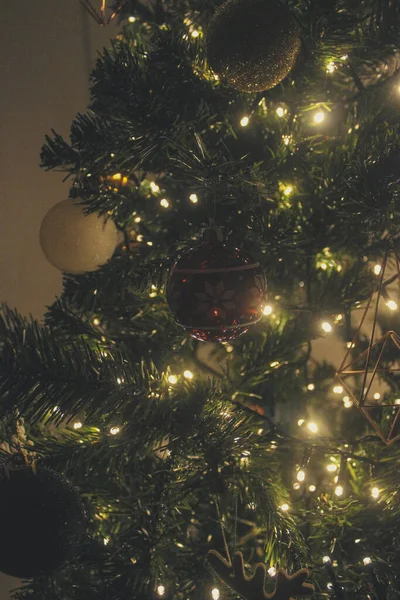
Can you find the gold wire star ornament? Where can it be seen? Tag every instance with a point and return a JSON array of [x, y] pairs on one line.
[[370, 379], [101, 16]]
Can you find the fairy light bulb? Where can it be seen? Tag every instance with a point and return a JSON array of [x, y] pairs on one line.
[[172, 379], [375, 492], [377, 269], [367, 560], [319, 117], [272, 571], [347, 402], [300, 422], [391, 304], [244, 121], [285, 507], [338, 389], [193, 198], [77, 425], [161, 590], [311, 387], [280, 111], [331, 468], [115, 430], [327, 327], [195, 33], [154, 187], [339, 490], [311, 488], [377, 396], [330, 67], [188, 374], [96, 321], [326, 560], [288, 190], [164, 203], [301, 475], [267, 310], [313, 427], [215, 594]]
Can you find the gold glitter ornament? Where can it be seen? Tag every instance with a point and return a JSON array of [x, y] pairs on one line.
[[252, 44], [75, 242]]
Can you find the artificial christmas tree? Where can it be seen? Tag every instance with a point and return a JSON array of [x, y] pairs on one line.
[[254, 448]]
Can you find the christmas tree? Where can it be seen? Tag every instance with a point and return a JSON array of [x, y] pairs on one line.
[[223, 144]]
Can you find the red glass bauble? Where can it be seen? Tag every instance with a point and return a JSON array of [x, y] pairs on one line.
[[215, 292]]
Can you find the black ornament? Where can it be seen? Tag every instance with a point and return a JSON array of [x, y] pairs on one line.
[[253, 44], [42, 521], [215, 291]]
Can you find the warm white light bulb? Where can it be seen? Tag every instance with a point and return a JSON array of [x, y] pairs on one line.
[[267, 310], [319, 117], [338, 389], [164, 203], [193, 198], [154, 187], [311, 387], [195, 33], [312, 488], [331, 468], [326, 560], [301, 475], [172, 379], [330, 67], [339, 490], [215, 594], [312, 427], [347, 402], [377, 396], [188, 374], [161, 590], [391, 304], [375, 492], [96, 321], [288, 190], [327, 327], [280, 111], [244, 121], [272, 571], [77, 425], [114, 430], [131, 19], [300, 422], [367, 561], [285, 507], [377, 269]]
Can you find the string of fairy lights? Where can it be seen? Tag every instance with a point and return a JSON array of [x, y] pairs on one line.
[[319, 114]]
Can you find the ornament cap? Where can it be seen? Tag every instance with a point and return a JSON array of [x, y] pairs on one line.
[[213, 234]]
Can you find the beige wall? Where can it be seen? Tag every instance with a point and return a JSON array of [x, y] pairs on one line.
[[44, 67], [46, 48]]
